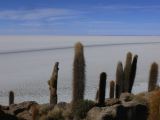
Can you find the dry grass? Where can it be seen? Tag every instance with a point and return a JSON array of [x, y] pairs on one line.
[[82, 108], [152, 99], [154, 105], [35, 112], [44, 109], [55, 114], [141, 98]]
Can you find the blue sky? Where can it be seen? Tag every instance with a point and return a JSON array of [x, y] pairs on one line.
[[80, 17]]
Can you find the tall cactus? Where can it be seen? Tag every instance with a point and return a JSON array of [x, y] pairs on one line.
[[11, 97], [119, 79], [127, 71], [53, 85], [153, 77], [112, 88], [133, 73], [78, 73], [102, 89]]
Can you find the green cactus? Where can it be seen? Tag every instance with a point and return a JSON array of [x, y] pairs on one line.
[[127, 71], [119, 79], [102, 89], [78, 74], [133, 73], [11, 97], [53, 84], [112, 88], [153, 77]]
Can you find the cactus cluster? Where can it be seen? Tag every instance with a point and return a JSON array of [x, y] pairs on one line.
[[125, 76]]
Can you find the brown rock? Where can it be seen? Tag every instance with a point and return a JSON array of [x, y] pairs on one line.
[[5, 116], [110, 102], [4, 107], [15, 109], [132, 110], [126, 97], [102, 113], [25, 115]]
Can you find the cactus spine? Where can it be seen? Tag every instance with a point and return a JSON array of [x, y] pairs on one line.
[[102, 89], [119, 79], [133, 73], [127, 71], [11, 97], [112, 86], [78, 74], [53, 85], [153, 77]]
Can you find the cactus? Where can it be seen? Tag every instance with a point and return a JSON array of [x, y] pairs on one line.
[[78, 74], [127, 71], [153, 77], [119, 79], [112, 87], [133, 73], [102, 89], [53, 85], [97, 94], [11, 97]]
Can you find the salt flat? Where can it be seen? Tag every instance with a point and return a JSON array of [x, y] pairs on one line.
[[27, 73]]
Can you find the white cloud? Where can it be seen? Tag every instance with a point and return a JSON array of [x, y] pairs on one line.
[[36, 14], [99, 22], [129, 7]]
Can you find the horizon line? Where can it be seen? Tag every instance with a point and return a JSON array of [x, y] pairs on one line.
[[69, 35]]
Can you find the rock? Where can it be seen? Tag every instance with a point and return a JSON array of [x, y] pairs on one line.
[[120, 113], [19, 111], [5, 116], [94, 113], [126, 97], [15, 109], [132, 110], [102, 113], [141, 112], [4, 107], [110, 102], [25, 115]]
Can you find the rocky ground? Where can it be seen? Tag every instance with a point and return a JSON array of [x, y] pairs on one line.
[[128, 107], [21, 111]]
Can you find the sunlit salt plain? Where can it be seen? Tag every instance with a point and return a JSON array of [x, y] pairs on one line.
[[26, 63]]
